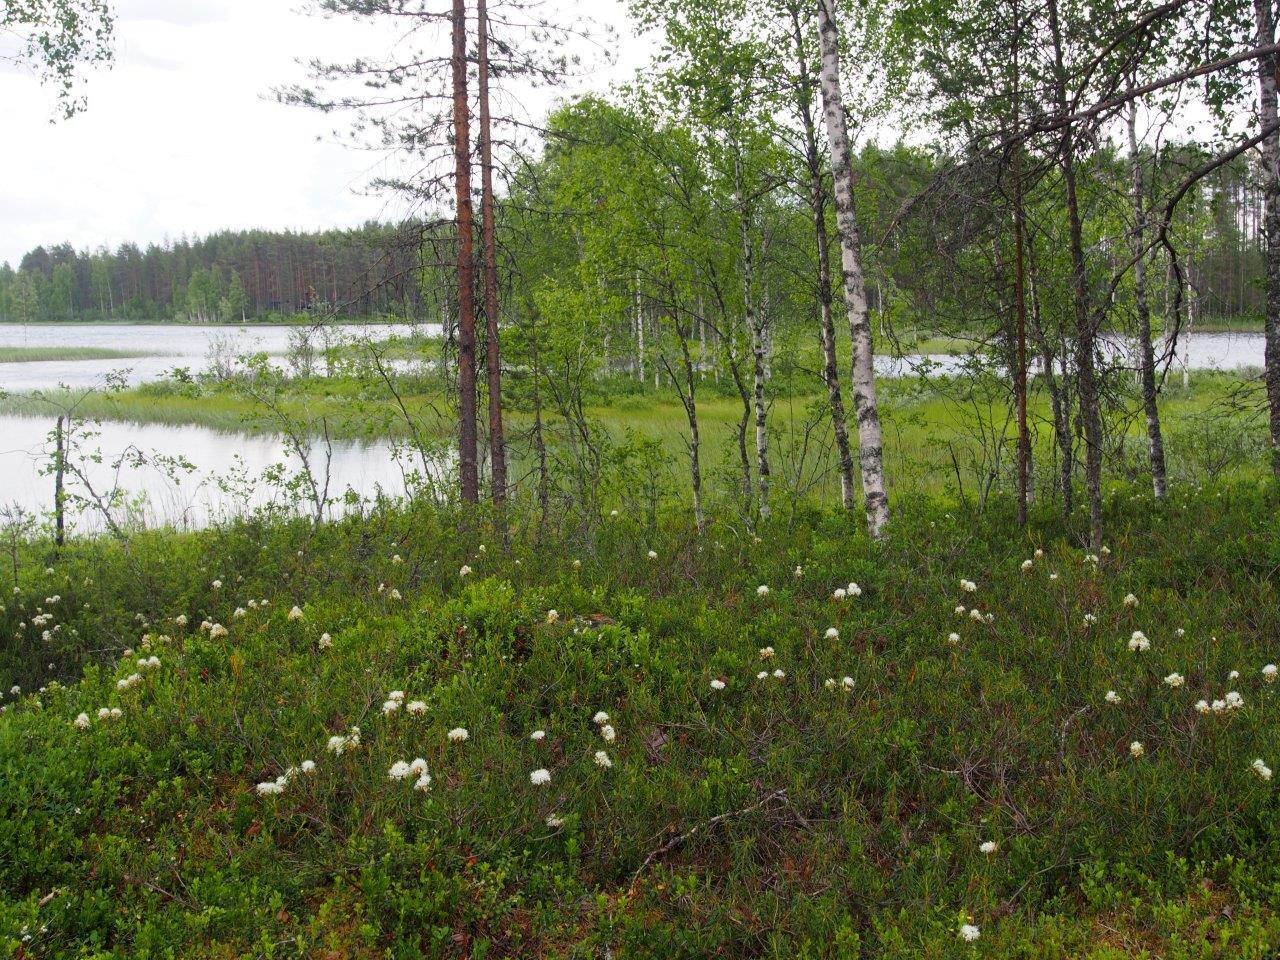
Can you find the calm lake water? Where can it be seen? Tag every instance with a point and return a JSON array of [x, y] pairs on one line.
[[172, 345], [365, 469], [194, 499]]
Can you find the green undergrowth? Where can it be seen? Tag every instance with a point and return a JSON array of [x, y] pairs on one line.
[[782, 816]]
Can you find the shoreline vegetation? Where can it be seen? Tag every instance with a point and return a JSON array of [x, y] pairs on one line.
[[45, 354]]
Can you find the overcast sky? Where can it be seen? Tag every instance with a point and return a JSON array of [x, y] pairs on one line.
[[181, 138]]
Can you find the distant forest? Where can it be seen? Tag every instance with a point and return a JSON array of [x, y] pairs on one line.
[[380, 270], [228, 277]]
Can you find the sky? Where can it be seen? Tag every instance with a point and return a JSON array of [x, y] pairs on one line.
[[181, 136]]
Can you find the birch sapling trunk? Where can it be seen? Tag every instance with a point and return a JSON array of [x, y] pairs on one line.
[[818, 208], [1020, 291], [1086, 373], [493, 352], [468, 474], [755, 326], [1142, 308], [870, 442], [1267, 67]]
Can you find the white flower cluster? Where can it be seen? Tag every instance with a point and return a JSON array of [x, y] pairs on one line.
[[1261, 769], [1138, 642], [845, 684], [400, 770], [458, 735], [852, 590], [968, 586], [342, 743], [276, 787], [126, 683]]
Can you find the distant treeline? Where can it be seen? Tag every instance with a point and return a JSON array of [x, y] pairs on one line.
[[231, 276]]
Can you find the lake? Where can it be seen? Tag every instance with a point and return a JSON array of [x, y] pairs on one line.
[[169, 345], [196, 499], [365, 469]]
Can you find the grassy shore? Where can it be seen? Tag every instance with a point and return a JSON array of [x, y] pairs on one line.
[[722, 770], [34, 354]]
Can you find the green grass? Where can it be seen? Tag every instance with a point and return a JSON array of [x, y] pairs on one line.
[[33, 354], [773, 818]]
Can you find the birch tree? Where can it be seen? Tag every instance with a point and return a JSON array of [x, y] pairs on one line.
[[870, 443]]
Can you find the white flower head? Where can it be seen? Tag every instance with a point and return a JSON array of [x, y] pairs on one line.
[[832, 633], [839, 594], [553, 821], [1174, 680], [416, 707], [779, 675], [953, 638], [423, 783], [717, 684], [1130, 600], [762, 590], [608, 733], [1112, 697], [540, 777], [295, 613], [600, 719], [270, 788], [847, 684], [969, 933], [989, 847], [458, 735], [1138, 643], [538, 735], [1233, 700], [961, 611], [766, 653], [326, 641], [307, 766], [1269, 673], [1202, 706], [553, 616], [602, 760], [855, 590], [82, 721], [390, 707], [1136, 749], [762, 675], [464, 571], [653, 554], [1261, 769], [217, 630], [399, 770], [1027, 564]]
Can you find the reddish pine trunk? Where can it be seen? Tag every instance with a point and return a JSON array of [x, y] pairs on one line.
[[467, 471]]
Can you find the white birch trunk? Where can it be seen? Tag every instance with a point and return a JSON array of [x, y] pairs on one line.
[[870, 443], [1267, 66]]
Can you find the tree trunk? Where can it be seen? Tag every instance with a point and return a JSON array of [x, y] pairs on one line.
[[1086, 373], [467, 445], [1020, 293], [59, 498], [818, 207], [871, 451], [1155, 441], [1267, 67], [755, 325], [493, 353]]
